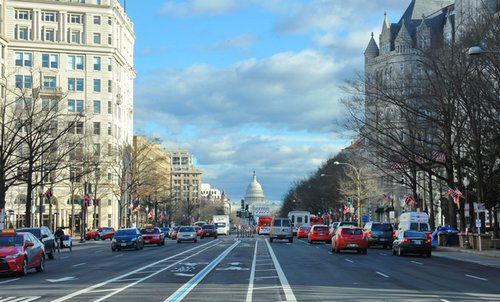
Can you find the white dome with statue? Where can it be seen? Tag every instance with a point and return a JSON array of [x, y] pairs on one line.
[[254, 192]]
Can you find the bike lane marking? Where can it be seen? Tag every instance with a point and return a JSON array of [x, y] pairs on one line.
[[187, 287], [120, 277], [283, 280], [252, 274]]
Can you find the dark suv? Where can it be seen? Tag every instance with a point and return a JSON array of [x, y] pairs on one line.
[[379, 233], [45, 235], [208, 230]]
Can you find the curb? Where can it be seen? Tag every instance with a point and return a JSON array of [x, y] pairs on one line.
[[492, 253]]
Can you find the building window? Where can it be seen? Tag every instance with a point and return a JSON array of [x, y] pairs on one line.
[[97, 128], [110, 86], [110, 21], [97, 85], [110, 128], [75, 84], [75, 62], [109, 107], [97, 38], [23, 33], [97, 20], [110, 39], [97, 106], [50, 60], [23, 15], [49, 82], [24, 59], [23, 81], [49, 35], [97, 63], [75, 19], [49, 17], [50, 104], [96, 149], [75, 127], [110, 64], [75, 36], [75, 105]]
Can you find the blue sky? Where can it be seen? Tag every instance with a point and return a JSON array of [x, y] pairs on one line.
[[250, 85]]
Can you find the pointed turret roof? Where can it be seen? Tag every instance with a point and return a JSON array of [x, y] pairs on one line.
[[372, 49]]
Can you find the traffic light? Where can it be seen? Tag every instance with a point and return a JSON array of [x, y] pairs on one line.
[[238, 214], [246, 207], [349, 201], [242, 204]]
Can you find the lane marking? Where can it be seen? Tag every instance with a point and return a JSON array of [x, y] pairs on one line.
[[181, 293], [349, 260], [19, 299], [79, 264], [252, 274], [118, 255], [416, 262], [7, 281], [118, 278], [383, 275], [475, 277], [383, 254], [284, 282], [268, 287], [267, 277], [264, 270], [444, 300]]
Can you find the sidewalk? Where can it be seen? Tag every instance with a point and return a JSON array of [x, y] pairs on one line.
[[488, 257]]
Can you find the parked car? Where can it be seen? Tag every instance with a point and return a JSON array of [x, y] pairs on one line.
[[412, 242], [281, 228], [379, 233], [45, 235], [319, 232], [208, 230], [166, 231], [349, 238], [303, 231], [187, 233], [126, 239], [153, 236], [100, 233], [20, 252], [335, 225]]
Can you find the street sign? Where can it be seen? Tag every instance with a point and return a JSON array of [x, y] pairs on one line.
[[478, 223], [392, 214], [364, 218]]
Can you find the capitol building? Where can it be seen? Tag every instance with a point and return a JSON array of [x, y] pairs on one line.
[[256, 200]]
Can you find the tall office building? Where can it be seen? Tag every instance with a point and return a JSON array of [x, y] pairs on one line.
[[82, 52]]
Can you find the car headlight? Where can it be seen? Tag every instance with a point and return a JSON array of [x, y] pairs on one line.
[[13, 256], [113, 240], [133, 240]]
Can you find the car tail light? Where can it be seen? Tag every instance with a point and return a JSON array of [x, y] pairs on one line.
[[429, 235], [369, 233], [393, 234], [428, 241], [406, 240]]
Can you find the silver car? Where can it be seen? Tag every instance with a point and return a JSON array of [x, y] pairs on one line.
[[186, 233], [281, 228]]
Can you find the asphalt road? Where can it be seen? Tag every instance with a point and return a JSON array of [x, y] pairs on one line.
[[234, 269]]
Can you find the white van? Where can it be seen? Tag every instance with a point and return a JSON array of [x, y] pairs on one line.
[[414, 221], [298, 218]]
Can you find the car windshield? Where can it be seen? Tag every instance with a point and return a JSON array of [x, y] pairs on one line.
[[417, 226], [208, 227], [36, 232], [348, 223], [186, 229], [382, 227], [351, 232], [409, 234], [11, 240], [125, 232], [150, 231], [220, 224]]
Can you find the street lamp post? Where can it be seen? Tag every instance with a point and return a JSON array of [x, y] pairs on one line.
[[358, 187], [40, 194], [477, 51], [466, 183]]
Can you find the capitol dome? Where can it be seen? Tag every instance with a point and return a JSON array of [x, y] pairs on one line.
[[254, 192]]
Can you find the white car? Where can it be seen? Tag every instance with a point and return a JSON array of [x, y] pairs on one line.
[[186, 233]]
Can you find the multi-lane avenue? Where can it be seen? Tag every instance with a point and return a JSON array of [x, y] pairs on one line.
[[249, 269]]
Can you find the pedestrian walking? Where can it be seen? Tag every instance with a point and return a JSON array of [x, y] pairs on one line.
[[60, 237]]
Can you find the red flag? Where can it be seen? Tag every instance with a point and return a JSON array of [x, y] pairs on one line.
[[455, 194], [151, 215]]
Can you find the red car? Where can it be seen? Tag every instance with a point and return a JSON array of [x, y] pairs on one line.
[[303, 231], [20, 252], [318, 232], [350, 238], [198, 230], [173, 236], [100, 233], [208, 230], [153, 236]]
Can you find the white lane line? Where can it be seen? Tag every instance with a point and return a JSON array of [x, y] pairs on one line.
[[118, 278], [283, 280], [383, 275], [79, 264], [267, 277], [64, 257], [182, 292], [7, 281], [382, 254], [444, 300], [416, 262], [118, 255], [330, 253], [264, 270], [475, 277], [268, 287], [349, 260], [252, 274]]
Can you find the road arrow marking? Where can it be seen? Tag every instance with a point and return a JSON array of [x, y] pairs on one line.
[[232, 268], [61, 279]]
